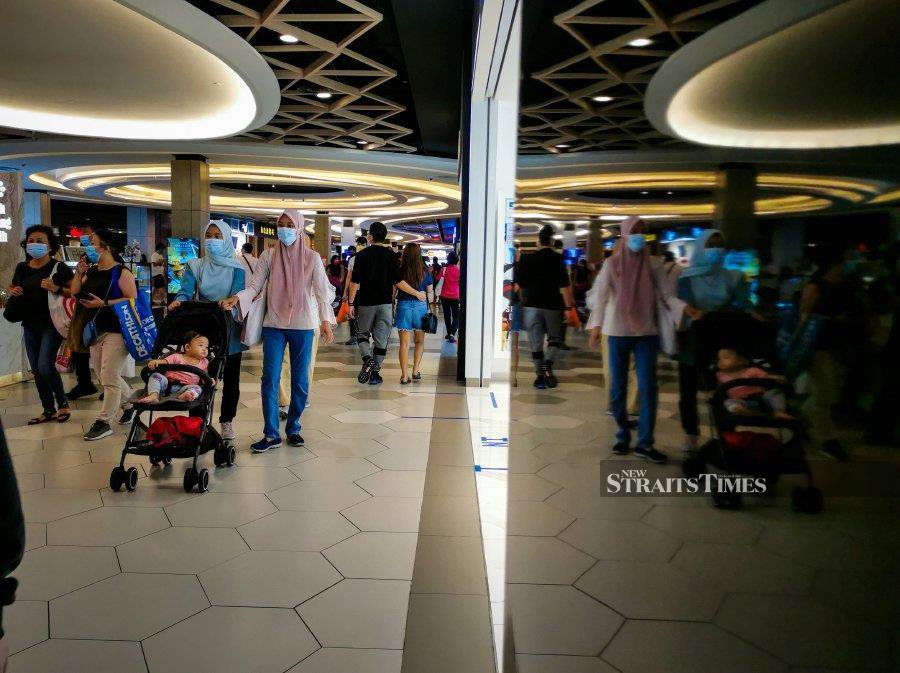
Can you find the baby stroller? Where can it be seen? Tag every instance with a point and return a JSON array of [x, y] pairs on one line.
[[215, 324], [764, 456]]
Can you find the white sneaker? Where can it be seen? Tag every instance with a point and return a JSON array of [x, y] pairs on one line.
[[227, 431]]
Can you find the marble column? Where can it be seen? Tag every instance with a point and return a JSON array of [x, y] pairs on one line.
[[37, 209], [322, 235], [595, 243], [190, 195], [735, 195], [12, 215]]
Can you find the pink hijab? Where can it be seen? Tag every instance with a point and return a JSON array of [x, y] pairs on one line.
[[633, 281], [290, 276]]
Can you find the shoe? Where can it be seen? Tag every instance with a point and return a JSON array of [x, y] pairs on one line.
[[127, 416], [651, 454], [404, 382], [417, 376], [282, 413], [621, 448], [547, 373], [295, 440], [451, 339], [564, 347], [375, 379], [350, 342], [101, 397], [227, 431], [367, 369], [99, 430], [265, 444], [79, 390], [540, 383], [833, 449]]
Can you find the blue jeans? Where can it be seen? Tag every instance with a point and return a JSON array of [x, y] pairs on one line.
[[274, 341], [41, 347], [644, 349]]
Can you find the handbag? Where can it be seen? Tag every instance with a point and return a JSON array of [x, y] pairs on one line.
[[61, 309], [429, 323], [15, 309], [343, 314], [138, 326], [90, 334], [64, 359]]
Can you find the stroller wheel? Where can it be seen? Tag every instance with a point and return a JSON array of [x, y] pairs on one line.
[[219, 456], [232, 455], [807, 500], [190, 479], [117, 478], [131, 478], [203, 480], [723, 500], [692, 467]]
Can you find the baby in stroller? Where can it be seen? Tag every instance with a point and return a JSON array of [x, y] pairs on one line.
[[182, 385], [749, 400]]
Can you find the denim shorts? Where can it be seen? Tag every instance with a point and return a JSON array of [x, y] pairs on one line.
[[409, 315]]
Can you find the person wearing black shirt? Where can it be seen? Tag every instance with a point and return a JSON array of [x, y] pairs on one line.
[[81, 361], [12, 537], [546, 291], [375, 275], [32, 280]]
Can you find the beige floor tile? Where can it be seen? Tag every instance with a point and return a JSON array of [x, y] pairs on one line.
[[106, 526], [448, 634], [449, 515], [530, 487], [402, 458], [872, 596], [87, 476], [450, 480], [35, 535], [449, 565], [227, 510], [297, 531], [42, 462], [544, 560], [181, 550], [356, 430], [318, 496], [366, 417], [810, 544], [345, 447], [48, 572], [25, 624], [30, 482], [334, 469], [284, 456], [408, 440], [394, 483], [547, 663], [262, 640], [249, 479], [334, 659], [154, 491], [384, 556], [399, 515], [536, 518], [128, 606], [450, 453], [742, 568], [703, 525], [68, 656], [620, 540]]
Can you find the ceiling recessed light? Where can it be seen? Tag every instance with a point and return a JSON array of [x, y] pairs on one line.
[[641, 42], [323, 95], [562, 146], [645, 192], [670, 193], [602, 99], [362, 142], [289, 39]]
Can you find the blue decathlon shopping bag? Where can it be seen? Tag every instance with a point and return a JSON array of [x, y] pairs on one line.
[[138, 325]]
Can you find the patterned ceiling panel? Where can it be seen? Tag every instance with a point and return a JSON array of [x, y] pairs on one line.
[[593, 98], [331, 93]]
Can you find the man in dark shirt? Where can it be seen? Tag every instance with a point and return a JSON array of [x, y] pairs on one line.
[[375, 274], [546, 291]]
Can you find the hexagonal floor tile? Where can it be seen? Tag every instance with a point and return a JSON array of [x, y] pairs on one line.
[[406, 440], [544, 560], [29, 482], [262, 640], [345, 448], [220, 509], [50, 504], [589, 503], [402, 458], [332, 659], [620, 540], [383, 556], [334, 469], [283, 457], [106, 526], [650, 590], [297, 531], [250, 479], [35, 535], [181, 550], [26, 624], [359, 613], [365, 417], [42, 462], [376, 395], [813, 545], [281, 579], [803, 632], [355, 430], [537, 611], [394, 483], [533, 398], [87, 476], [703, 524], [399, 515], [151, 492], [553, 421], [530, 487], [740, 568], [536, 518], [129, 606], [318, 496], [548, 663], [66, 656], [48, 572], [684, 647]]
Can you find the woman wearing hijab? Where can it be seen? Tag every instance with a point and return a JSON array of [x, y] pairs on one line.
[[298, 299], [706, 286], [217, 275], [623, 304]]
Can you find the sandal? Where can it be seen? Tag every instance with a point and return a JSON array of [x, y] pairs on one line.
[[405, 381], [43, 418], [417, 376], [63, 416]]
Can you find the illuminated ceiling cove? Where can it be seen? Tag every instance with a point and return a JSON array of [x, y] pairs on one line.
[[137, 69]]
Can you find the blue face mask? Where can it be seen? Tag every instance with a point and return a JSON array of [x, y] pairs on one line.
[[287, 235], [37, 250], [216, 247], [714, 255], [636, 242], [85, 240]]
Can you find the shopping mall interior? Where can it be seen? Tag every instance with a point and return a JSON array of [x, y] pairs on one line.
[[623, 207]]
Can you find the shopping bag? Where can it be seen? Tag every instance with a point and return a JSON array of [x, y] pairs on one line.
[[343, 313], [251, 335], [138, 325], [61, 309], [64, 360], [175, 431], [572, 319]]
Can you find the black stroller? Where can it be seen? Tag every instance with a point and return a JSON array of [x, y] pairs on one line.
[[746, 334], [215, 324]]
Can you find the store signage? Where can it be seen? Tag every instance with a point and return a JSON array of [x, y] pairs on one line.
[[266, 231]]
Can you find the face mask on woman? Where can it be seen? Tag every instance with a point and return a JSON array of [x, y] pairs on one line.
[[636, 242], [287, 235], [714, 255], [37, 250], [216, 247]]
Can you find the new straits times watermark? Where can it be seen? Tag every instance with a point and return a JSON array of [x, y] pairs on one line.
[[639, 481]]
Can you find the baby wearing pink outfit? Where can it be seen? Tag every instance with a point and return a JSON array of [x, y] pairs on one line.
[[749, 400], [184, 385]]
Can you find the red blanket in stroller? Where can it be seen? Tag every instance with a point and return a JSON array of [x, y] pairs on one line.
[[172, 431]]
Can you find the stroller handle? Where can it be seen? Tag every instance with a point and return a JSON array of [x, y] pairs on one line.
[[204, 376], [769, 384]]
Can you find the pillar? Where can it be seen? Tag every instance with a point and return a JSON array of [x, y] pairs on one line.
[[190, 195], [735, 195], [12, 228], [37, 209], [322, 235], [348, 234], [595, 243], [138, 225]]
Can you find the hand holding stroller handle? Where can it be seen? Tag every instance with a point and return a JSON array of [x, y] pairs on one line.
[[768, 384], [205, 378]]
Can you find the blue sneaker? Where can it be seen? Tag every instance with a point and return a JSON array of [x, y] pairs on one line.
[[540, 383], [265, 444], [375, 379]]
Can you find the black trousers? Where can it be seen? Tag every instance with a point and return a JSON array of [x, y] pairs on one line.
[[451, 314], [231, 391], [688, 381], [82, 364]]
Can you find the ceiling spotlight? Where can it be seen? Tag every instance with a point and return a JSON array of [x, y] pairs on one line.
[[641, 42], [323, 95], [562, 146], [362, 142], [602, 99], [645, 192], [670, 193], [289, 39]]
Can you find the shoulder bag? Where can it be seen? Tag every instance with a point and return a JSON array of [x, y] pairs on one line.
[[90, 333]]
